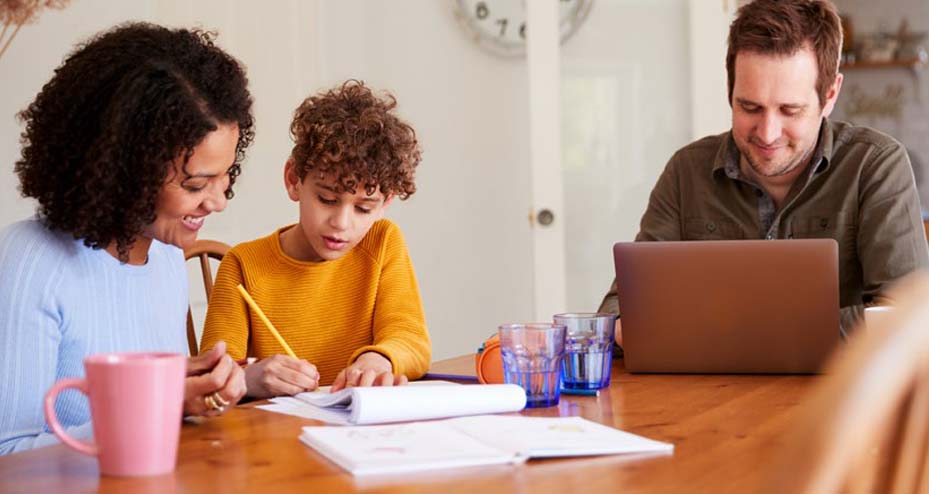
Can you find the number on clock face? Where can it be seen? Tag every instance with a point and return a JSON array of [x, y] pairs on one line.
[[501, 24], [497, 18]]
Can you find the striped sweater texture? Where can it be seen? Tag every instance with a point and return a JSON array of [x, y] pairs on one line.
[[61, 301], [328, 312]]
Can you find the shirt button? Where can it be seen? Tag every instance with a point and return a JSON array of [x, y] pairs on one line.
[[711, 227], [770, 236], [824, 223]]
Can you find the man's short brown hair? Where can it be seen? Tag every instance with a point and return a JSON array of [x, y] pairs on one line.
[[352, 135], [784, 27]]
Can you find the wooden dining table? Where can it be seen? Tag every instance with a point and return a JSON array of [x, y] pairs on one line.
[[726, 431]]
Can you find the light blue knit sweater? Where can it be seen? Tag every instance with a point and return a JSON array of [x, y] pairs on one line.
[[61, 301]]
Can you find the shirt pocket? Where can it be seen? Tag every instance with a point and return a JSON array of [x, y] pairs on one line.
[[839, 226], [702, 228]]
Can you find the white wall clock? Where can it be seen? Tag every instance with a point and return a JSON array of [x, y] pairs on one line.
[[499, 26]]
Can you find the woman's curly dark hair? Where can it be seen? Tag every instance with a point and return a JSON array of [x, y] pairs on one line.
[[352, 135], [102, 135]]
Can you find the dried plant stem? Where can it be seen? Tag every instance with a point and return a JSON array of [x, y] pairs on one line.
[[6, 44]]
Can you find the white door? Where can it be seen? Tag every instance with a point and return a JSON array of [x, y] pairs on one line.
[[639, 79]]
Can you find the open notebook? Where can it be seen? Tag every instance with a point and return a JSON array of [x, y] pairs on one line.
[[470, 441], [421, 400]]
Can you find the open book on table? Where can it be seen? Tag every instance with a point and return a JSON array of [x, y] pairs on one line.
[[470, 441], [420, 400]]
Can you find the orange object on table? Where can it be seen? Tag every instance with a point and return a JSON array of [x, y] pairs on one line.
[[489, 362]]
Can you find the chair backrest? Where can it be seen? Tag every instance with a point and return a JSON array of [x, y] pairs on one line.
[[865, 427], [204, 250]]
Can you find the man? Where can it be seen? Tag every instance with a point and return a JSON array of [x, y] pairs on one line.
[[785, 170]]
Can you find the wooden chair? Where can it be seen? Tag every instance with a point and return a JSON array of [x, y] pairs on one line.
[[865, 427], [204, 250]]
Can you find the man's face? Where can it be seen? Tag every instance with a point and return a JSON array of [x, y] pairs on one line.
[[776, 113]]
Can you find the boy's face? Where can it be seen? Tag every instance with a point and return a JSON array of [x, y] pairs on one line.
[[331, 223]]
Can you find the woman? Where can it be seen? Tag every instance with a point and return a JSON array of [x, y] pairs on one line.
[[138, 136]]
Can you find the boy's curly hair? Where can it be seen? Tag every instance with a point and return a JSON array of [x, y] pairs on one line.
[[102, 135], [352, 135]]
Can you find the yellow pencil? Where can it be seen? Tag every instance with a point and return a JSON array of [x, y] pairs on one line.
[[264, 319]]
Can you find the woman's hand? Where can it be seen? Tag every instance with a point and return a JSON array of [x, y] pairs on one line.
[[216, 379], [280, 375], [369, 369]]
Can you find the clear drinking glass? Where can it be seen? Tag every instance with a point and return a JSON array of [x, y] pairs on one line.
[[588, 346], [532, 356]]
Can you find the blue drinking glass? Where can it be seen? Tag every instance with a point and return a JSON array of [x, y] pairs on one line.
[[532, 356], [588, 354]]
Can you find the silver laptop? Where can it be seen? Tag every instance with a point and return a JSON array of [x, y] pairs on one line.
[[741, 306]]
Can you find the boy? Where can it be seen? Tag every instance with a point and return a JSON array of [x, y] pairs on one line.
[[339, 285]]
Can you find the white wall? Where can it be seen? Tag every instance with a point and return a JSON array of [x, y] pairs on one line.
[[626, 102], [29, 62], [709, 31], [466, 226]]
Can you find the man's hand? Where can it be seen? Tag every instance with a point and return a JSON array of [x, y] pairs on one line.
[[618, 333], [369, 369], [280, 375]]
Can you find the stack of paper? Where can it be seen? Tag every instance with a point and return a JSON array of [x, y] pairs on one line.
[[378, 405], [470, 441]]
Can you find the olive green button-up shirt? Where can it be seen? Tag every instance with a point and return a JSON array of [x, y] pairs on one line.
[[858, 190]]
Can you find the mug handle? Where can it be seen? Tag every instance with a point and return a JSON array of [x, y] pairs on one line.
[[52, 419]]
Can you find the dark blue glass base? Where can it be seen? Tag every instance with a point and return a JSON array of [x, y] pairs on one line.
[[582, 385], [548, 402]]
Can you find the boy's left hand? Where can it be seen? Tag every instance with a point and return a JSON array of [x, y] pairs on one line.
[[369, 369]]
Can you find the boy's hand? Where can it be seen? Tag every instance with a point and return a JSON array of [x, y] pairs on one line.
[[280, 375], [369, 369]]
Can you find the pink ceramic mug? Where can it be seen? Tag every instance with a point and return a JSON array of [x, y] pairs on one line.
[[136, 402]]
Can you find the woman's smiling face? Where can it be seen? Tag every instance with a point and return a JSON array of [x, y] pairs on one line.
[[194, 191]]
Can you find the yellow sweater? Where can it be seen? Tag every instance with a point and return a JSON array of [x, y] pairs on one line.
[[329, 312]]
